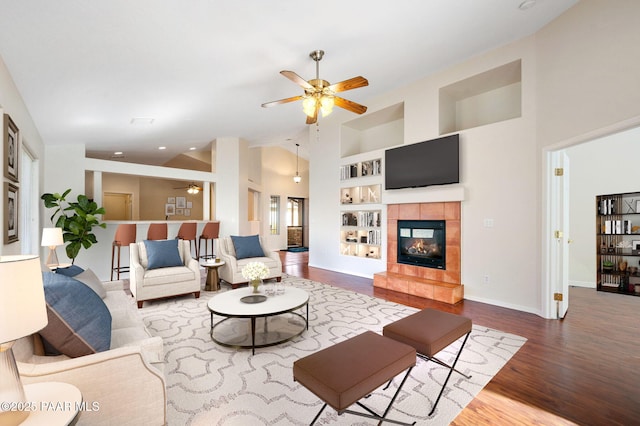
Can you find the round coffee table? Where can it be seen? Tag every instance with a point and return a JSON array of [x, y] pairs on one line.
[[280, 322]]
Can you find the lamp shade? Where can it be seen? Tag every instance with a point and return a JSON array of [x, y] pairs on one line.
[[52, 237], [22, 305]]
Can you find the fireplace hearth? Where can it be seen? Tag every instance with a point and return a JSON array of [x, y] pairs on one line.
[[422, 243]]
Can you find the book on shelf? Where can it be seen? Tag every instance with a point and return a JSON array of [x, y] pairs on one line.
[[607, 206]]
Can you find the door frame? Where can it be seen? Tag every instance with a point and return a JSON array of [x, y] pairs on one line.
[[549, 207], [303, 218]]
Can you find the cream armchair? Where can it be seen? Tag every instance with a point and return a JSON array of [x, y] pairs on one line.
[[231, 271], [149, 284]]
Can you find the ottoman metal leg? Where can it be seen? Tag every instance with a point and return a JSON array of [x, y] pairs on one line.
[[451, 370]]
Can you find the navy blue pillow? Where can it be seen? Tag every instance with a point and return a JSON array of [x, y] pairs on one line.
[[162, 253], [70, 271], [246, 247], [79, 321]]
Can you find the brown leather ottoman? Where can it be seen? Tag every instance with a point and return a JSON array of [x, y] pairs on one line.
[[346, 372], [430, 331]]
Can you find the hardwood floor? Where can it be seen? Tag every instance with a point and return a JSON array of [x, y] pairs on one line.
[[582, 370]]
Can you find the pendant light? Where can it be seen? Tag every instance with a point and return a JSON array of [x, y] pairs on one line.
[[297, 178]]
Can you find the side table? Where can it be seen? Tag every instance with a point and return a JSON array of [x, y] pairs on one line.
[[213, 282], [52, 403]]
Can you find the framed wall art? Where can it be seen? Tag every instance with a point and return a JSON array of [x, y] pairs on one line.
[[169, 209], [10, 137], [11, 213], [181, 202]]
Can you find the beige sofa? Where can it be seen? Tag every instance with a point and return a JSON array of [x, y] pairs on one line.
[[231, 271], [127, 381], [149, 284]]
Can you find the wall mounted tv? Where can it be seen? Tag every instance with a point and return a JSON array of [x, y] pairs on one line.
[[432, 162]]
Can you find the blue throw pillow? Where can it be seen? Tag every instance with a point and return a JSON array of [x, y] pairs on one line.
[[162, 253], [70, 271], [79, 321], [246, 247]]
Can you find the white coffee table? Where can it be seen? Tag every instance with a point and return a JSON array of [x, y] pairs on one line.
[[232, 331]]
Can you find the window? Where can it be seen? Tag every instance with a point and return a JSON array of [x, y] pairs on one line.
[[274, 215]]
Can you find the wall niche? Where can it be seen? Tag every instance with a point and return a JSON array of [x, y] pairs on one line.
[[374, 131], [489, 97]]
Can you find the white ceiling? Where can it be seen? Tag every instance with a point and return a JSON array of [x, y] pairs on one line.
[[202, 68]]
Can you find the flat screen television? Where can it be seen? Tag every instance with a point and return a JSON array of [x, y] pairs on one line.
[[432, 162]]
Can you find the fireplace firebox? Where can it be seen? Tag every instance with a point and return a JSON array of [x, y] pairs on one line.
[[422, 243]]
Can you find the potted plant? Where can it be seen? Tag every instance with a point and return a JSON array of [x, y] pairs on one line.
[[76, 220], [607, 265]]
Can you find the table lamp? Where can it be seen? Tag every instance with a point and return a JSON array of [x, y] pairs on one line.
[[52, 237], [22, 312]]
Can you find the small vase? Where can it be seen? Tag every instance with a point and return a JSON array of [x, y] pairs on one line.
[[256, 284]]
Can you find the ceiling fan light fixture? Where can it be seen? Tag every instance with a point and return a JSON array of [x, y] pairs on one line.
[[326, 105], [193, 189], [319, 94], [309, 105]]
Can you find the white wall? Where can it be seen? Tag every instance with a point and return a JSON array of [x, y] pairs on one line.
[[11, 103], [607, 165], [498, 178], [579, 74], [588, 69]]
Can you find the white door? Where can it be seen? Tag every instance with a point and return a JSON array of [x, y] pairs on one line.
[[559, 255]]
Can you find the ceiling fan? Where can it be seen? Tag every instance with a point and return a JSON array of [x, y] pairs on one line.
[[192, 188], [319, 94]]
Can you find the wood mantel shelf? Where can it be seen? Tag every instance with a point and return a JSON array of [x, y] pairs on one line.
[[421, 287]]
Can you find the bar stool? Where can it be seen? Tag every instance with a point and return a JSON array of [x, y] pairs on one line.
[[125, 235], [188, 231], [157, 231], [209, 232]]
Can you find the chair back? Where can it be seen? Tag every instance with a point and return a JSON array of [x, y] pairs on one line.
[[125, 234], [187, 231], [157, 231], [211, 230]]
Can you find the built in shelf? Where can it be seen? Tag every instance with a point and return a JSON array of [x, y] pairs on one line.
[[489, 97]]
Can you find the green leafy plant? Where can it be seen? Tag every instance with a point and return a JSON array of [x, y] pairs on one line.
[[76, 219]]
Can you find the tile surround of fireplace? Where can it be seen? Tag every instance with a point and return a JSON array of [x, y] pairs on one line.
[[438, 284]]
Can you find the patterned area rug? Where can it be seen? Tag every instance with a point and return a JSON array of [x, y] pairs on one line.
[[209, 384]]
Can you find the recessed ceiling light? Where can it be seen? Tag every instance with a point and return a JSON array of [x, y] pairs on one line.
[[117, 153], [162, 147], [527, 4], [193, 148], [142, 121]]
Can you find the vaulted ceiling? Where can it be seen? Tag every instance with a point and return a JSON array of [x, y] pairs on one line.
[[130, 76]]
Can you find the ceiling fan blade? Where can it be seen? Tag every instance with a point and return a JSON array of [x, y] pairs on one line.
[[281, 101], [297, 79], [349, 105], [352, 83], [312, 120]]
